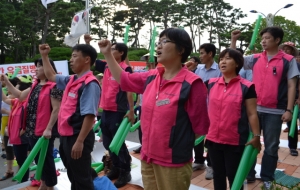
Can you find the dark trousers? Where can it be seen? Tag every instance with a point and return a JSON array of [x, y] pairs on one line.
[[79, 171], [225, 161], [109, 125], [199, 158], [139, 118], [8, 149], [293, 141], [49, 170], [21, 156]]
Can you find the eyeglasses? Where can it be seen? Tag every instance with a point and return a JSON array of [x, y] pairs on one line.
[[163, 42]]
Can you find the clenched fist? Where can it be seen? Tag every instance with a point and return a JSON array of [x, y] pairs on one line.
[[235, 34], [44, 49], [105, 46], [87, 38]]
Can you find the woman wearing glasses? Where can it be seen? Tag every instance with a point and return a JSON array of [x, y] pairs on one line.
[[174, 111]]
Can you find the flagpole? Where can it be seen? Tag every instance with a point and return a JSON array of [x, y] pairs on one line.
[[87, 16]]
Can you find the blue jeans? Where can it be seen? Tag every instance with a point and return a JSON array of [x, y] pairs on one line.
[[270, 124]]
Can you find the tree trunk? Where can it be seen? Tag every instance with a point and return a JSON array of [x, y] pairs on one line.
[[45, 33]]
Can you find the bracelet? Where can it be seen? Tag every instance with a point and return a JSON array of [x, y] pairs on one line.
[[256, 135], [288, 110]]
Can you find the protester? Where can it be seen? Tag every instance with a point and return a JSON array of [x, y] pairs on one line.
[[174, 112], [229, 129], [8, 147], [246, 74], [115, 103], [77, 113], [274, 75], [43, 102], [16, 122], [289, 48]]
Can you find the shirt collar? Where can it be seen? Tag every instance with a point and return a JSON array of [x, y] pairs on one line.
[[213, 66]]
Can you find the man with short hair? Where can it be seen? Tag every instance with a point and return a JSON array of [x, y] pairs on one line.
[[274, 75], [207, 70]]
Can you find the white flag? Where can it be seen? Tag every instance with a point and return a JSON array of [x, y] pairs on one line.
[[78, 27], [46, 2]]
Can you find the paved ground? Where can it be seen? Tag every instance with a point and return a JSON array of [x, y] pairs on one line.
[[289, 163]]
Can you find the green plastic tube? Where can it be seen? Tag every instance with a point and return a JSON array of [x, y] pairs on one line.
[[42, 157], [17, 70], [96, 164], [199, 140], [247, 160], [18, 177], [294, 121], [118, 136], [152, 47], [126, 34], [99, 168], [99, 133], [96, 125], [255, 32], [135, 126], [32, 168]]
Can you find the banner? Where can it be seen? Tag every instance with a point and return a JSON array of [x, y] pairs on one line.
[[46, 2], [78, 27], [29, 68]]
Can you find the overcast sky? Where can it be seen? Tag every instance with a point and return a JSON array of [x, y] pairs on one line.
[[264, 6]]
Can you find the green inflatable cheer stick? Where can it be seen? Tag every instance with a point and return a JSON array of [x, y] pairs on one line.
[[199, 140], [96, 125], [152, 47], [95, 164], [99, 133], [126, 34], [56, 160], [135, 126], [29, 160], [42, 157], [18, 69], [122, 139], [99, 168], [255, 32], [121, 130], [294, 121], [4, 89], [245, 165], [32, 168]]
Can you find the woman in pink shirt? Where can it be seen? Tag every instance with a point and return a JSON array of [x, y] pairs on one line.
[[174, 111]]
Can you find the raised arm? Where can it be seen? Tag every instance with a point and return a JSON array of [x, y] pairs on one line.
[[5, 99], [22, 95], [49, 71], [234, 37], [115, 69]]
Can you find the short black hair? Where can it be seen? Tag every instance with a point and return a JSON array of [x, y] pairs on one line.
[[236, 56], [275, 31], [209, 48], [40, 61], [14, 81], [182, 40], [86, 50], [197, 60], [240, 50], [24, 85], [121, 47]]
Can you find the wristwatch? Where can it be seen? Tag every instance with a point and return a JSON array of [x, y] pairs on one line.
[[256, 135], [288, 110]]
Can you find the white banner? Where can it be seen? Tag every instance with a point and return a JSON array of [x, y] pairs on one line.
[[29, 68]]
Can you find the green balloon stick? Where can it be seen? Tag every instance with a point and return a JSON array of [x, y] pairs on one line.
[[126, 34], [152, 47], [56, 160], [294, 121], [123, 137], [247, 160], [99, 168], [32, 168], [199, 140], [255, 32], [41, 161], [96, 164], [16, 72], [121, 130], [135, 126], [29, 160], [96, 125], [99, 133]]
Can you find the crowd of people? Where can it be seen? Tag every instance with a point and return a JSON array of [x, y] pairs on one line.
[[188, 97]]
